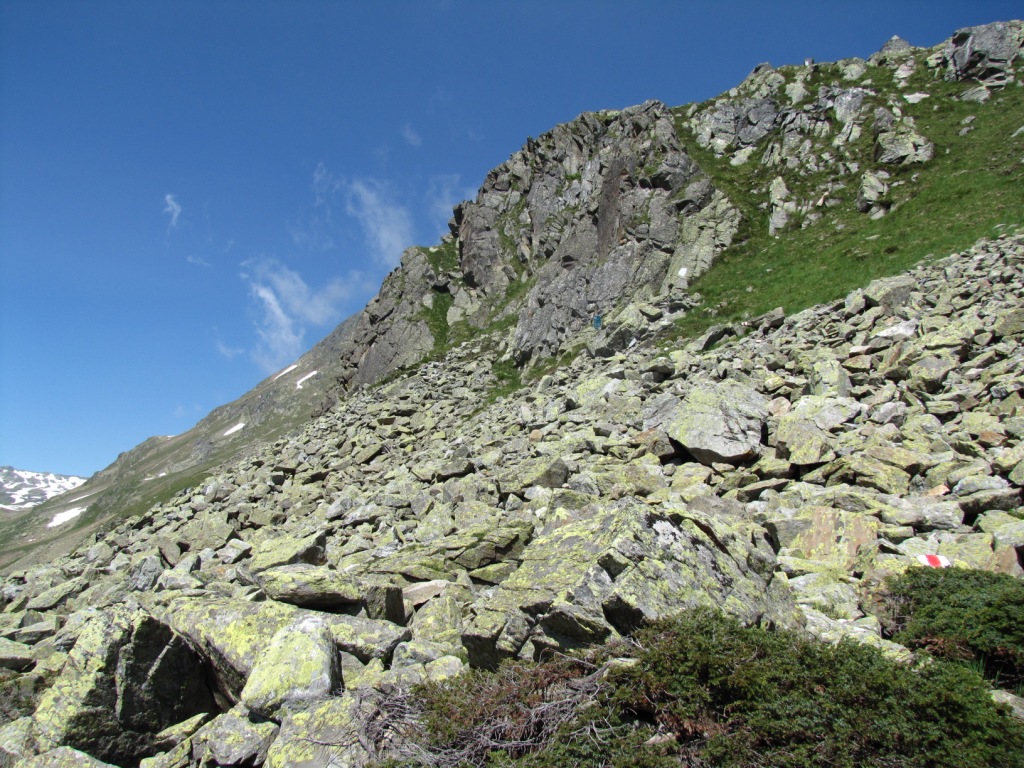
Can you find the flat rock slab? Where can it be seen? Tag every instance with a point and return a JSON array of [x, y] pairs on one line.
[[310, 586]]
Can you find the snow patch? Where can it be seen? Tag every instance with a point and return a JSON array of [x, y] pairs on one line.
[[298, 384], [21, 490], [62, 517], [235, 428], [289, 369]]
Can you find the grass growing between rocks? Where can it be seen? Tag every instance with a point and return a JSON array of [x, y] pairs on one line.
[[508, 377], [969, 190], [704, 690]]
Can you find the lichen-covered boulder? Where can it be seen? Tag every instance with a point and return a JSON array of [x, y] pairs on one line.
[[16, 656], [127, 678], [233, 633], [715, 421], [613, 566], [63, 757], [286, 550], [232, 739], [830, 538], [300, 662], [310, 586], [326, 733]]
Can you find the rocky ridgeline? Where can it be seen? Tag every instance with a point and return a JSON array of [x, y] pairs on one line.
[[611, 208], [832, 129], [778, 469], [609, 214]]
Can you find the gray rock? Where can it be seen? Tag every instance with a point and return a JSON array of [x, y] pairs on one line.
[[233, 739], [16, 656], [890, 293], [872, 192], [63, 757], [299, 663], [127, 678], [718, 421], [984, 52]]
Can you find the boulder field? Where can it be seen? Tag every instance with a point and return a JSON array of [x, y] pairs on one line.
[[778, 469]]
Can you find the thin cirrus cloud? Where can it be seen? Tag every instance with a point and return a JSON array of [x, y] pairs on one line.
[[386, 225], [286, 306], [412, 138], [173, 209]]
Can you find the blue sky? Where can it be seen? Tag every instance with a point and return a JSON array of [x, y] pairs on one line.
[[194, 193]]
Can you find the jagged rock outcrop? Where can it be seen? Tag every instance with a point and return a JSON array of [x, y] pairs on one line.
[[602, 208]]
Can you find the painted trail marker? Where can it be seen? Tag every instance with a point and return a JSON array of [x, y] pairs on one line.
[[934, 561]]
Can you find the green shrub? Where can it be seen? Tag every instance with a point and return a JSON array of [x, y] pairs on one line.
[[961, 614], [704, 690], [746, 696]]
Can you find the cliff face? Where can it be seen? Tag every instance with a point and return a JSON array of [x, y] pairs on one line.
[[603, 209]]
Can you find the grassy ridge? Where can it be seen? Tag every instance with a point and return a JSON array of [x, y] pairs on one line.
[[972, 188]]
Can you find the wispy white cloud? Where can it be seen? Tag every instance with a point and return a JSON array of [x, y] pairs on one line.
[[199, 261], [315, 231], [280, 338], [412, 138], [173, 209], [226, 351], [286, 305], [325, 185], [444, 192], [313, 234], [386, 224]]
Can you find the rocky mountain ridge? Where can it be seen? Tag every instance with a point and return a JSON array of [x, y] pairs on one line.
[[607, 210], [776, 467]]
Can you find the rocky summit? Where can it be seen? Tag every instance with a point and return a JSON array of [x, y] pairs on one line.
[[777, 468]]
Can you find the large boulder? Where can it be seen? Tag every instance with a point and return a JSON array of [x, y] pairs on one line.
[[715, 421], [300, 662], [233, 633], [327, 732], [618, 565], [63, 757], [983, 52], [127, 678]]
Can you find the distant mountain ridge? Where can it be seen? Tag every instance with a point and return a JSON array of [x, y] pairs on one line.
[[21, 489]]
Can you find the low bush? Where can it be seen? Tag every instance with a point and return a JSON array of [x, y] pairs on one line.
[[704, 690], [961, 614]]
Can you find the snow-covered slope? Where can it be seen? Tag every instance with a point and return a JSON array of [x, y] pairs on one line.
[[20, 490]]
